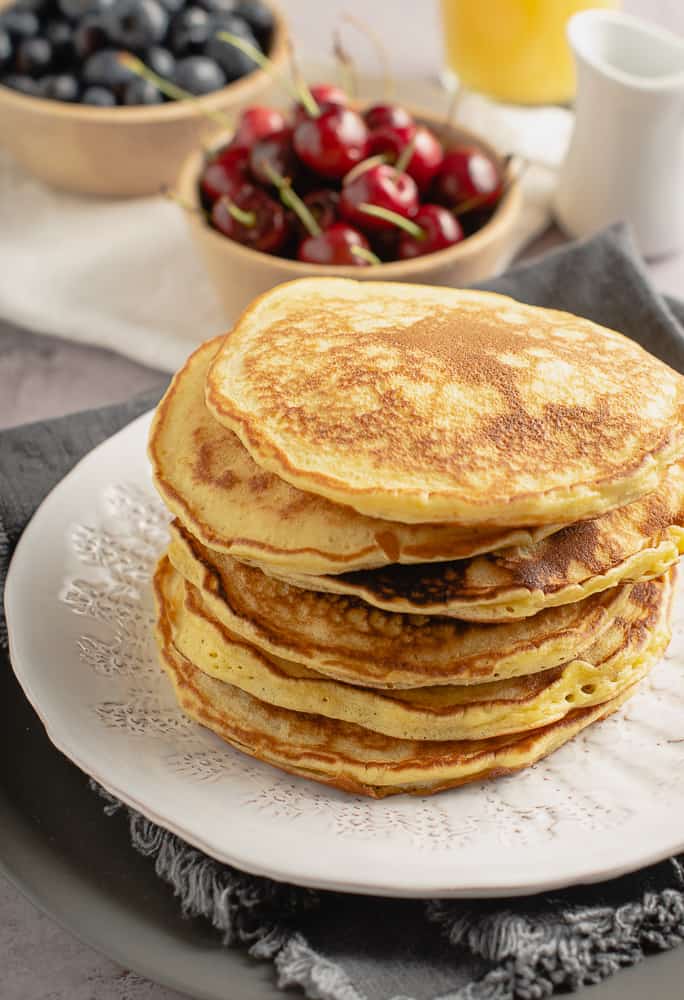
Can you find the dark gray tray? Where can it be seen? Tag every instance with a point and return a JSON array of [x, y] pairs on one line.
[[78, 866]]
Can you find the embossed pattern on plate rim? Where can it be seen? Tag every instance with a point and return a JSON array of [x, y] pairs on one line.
[[355, 865]]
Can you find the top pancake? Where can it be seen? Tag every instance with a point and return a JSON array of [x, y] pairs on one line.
[[423, 404], [211, 482]]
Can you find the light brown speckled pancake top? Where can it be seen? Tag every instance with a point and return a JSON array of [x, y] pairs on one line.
[[209, 480], [416, 403]]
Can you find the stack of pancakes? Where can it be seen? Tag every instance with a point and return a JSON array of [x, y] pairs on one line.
[[422, 536]]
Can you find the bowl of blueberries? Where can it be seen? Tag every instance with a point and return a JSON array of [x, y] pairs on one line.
[[74, 112], [331, 186]]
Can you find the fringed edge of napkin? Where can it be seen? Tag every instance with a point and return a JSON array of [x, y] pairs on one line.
[[545, 946], [239, 906]]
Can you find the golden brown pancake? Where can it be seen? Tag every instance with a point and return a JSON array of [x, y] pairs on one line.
[[423, 404], [636, 542], [347, 756], [345, 638], [210, 481], [619, 659]]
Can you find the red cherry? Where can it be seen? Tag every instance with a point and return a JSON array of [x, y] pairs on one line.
[[225, 173], [268, 228], [334, 246], [382, 186], [273, 155], [392, 115], [257, 123], [324, 205], [325, 95], [441, 229], [333, 143], [329, 93], [390, 140], [467, 173], [233, 157], [427, 155]]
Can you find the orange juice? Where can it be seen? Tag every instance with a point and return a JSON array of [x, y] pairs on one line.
[[513, 50]]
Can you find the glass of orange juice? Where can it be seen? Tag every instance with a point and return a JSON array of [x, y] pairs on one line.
[[513, 50]]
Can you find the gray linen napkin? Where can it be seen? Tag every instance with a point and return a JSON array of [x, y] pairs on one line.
[[341, 947]]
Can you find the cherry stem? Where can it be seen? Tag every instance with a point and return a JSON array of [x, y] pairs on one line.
[[363, 166], [302, 91], [404, 157], [138, 67], [398, 220], [457, 95], [365, 254], [291, 200], [388, 85], [469, 204], [345, 65], [301, 94], [247, 219], [298, 81]]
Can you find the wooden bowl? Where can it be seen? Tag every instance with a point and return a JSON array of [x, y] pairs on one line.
[[123, 151], [239, 273]]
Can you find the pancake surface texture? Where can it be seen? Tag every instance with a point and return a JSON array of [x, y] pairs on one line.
[[210, 481], [423, 404], [347, 639], [617, 661], [345, 755], [636, 542]]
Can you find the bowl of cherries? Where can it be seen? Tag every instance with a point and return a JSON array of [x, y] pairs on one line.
[[77, 116], [376, 191]]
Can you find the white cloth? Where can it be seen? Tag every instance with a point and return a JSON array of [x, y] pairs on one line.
[[123, 274]]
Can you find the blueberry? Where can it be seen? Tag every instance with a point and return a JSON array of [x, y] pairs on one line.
[[142, 92], [37, 6], [76, 9], [136, 24], [24, 84], [103, 69], [41, 8], [60, 87], [91, 34], [160, 61], [60, 35], [34, 57], [219, 6], [190, 31], [5, 49], [99, 96], [259, 17], [20, 23], [226, 21], [233, 61], [199, 75]]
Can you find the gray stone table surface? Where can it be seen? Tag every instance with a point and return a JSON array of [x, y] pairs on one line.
[[42, 377]]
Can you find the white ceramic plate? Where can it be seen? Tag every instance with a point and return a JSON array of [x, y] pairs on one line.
[[79, 611]]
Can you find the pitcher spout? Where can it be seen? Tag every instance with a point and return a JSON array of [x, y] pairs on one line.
[[628, 50]]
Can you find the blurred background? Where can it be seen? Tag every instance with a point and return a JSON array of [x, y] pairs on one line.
[[414, 33]]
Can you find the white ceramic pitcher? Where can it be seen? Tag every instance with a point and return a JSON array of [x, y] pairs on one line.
[[626, 155]]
